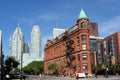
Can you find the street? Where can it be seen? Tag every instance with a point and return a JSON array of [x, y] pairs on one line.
[[33, 77]]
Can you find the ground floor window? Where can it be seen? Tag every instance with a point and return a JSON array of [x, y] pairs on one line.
[[85, 67]]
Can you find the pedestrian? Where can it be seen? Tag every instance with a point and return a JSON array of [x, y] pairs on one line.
[[106, 73], [96, 73], [39, 76], [77, 77], [24, 77]]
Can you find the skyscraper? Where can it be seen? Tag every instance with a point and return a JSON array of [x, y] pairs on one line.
[[0, 47], [1, 58], [35, 42], [57, 32], [17, 43]]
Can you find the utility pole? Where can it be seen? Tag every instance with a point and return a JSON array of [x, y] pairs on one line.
[[21, 70]]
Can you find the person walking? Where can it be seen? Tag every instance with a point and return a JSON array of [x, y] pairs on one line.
[[39, 76], [24, 76], [106, 73], [96, 73]]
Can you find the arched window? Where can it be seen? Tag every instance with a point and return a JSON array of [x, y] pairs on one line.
[[82, 25]]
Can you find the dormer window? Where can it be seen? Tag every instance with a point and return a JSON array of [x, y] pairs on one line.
[[82, 25]]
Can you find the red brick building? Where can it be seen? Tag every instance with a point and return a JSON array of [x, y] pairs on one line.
[[94, 29], [109, 50], [71, 50]]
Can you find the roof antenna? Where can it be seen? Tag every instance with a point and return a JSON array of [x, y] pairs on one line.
[[18, 23]]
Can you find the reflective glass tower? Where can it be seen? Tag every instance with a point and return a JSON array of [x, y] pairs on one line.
[[35, 42], [17, 43]]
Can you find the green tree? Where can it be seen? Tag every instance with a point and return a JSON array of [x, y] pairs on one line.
[[11, 63], [53, 67], [93, 68], [34, 67]]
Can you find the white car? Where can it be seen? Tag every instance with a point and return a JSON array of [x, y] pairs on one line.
[[80, 75]]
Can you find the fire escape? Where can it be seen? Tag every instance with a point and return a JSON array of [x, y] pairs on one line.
[[69, 51]]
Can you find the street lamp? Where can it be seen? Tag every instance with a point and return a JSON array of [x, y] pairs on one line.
[[21, 66], [110, 59]]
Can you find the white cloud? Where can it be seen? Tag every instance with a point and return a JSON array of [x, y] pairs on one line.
[[109, 27]]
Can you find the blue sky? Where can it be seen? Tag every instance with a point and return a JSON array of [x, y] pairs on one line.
[[55, 13]]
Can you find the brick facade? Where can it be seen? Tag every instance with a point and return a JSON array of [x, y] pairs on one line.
[[110, 50], [80, 59], [75, 50]]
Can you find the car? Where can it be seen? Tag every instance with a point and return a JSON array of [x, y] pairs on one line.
[[17, 76], [80, 75]]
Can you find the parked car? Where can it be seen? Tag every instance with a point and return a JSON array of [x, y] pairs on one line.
[[17, 76], [80, 75]]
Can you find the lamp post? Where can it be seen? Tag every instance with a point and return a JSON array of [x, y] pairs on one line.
[[110, 58], [21, 66]]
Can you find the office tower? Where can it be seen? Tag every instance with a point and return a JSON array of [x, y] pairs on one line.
[[110, 49], [17, 43], [94, 29], [35, 42], [57, 32], [1, 59], [0, 47]]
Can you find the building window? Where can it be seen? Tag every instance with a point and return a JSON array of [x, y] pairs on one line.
[[85, 67], [82, 25], [83, 37], [78, 47], [83, 47], [78, 43], [84, 56], [78, 57], [64, 60], [78, 40]]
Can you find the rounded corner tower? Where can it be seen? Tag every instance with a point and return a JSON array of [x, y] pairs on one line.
[[35, 41]]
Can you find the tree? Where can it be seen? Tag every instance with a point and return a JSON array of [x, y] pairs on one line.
[[53, 67], [34, 67], [93, 68], [11, 63]]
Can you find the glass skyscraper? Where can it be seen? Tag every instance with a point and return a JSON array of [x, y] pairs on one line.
[[35, 41], [17, 43]]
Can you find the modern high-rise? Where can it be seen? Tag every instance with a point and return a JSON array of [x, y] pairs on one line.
[[110, 50], [94, 29], [0, 48], [1, 55], [35, 45], [17, 43], [57, 32]]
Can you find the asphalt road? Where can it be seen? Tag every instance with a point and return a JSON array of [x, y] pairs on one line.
[[32, 77]]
